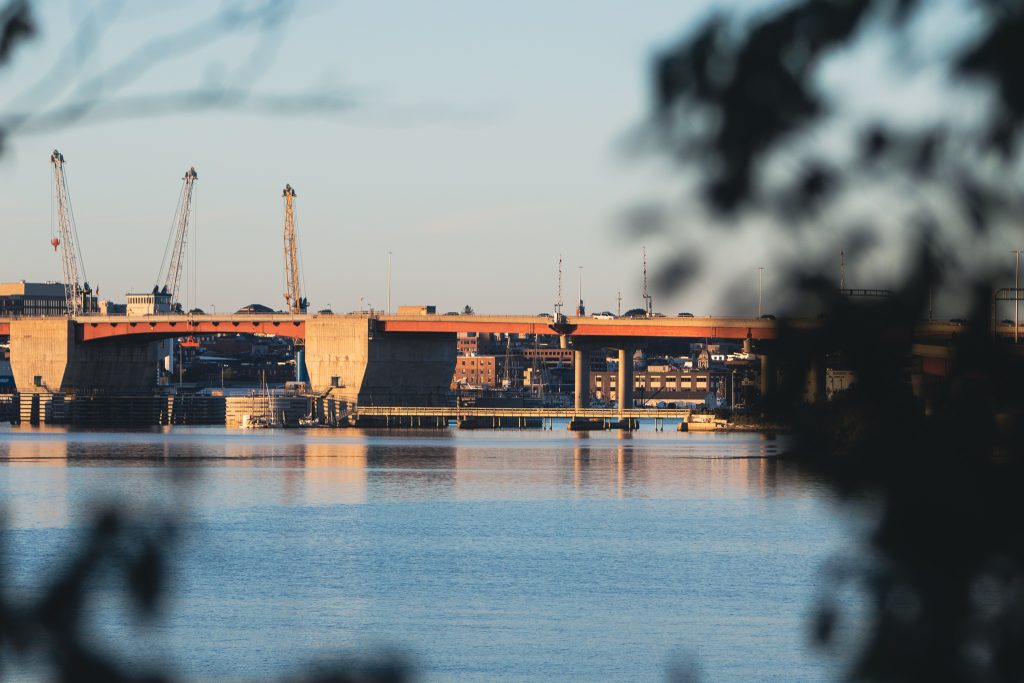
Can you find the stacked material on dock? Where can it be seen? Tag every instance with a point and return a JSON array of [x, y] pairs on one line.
[[115, 410], [41, 407], [266, 410], [191, 409]]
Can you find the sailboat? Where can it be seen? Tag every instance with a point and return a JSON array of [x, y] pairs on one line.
[[267, 418]]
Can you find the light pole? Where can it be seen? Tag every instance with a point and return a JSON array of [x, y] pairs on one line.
[[214, 307], [389, 283], [760, 284]]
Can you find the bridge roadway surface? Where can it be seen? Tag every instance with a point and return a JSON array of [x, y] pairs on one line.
[[89, 328]]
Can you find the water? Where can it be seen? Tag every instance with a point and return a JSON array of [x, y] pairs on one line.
[[482, 555]]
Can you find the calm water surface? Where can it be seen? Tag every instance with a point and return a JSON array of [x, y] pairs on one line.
[[483, 555]]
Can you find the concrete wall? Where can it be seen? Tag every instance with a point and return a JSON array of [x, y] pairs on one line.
[[46, 348], [378, 369]]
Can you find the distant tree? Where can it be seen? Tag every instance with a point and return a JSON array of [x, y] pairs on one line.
[[197, 311], [635, 313], [468, 310]]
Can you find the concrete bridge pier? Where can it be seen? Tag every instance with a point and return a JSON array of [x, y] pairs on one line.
[[624, 382], [351, 358], [47, 357]]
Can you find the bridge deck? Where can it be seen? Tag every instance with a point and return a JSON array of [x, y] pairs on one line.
[[280, 324]]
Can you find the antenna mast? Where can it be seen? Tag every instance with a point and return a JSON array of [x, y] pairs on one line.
[[647, 297], [842, 270], [75, 294], [172, 267], [293, 294]]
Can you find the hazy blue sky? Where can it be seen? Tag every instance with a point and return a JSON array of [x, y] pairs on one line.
[[483, 142]]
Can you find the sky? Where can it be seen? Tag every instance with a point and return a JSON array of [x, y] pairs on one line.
[[479, 142], [484, 140]]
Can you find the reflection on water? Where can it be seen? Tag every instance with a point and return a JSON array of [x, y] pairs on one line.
[[490, 555], [214, 468]]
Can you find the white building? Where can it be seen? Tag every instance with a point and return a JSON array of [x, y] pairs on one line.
[[151, 303]]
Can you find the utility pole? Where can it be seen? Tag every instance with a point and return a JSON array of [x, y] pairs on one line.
[[389, 283], [760, 288], [842, 270], [619, 311]]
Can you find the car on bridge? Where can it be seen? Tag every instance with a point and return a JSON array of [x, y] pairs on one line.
[[685, 315], [606, 315]]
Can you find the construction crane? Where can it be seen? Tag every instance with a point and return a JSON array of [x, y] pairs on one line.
[[293, 292], [77, 295], [172, 265]]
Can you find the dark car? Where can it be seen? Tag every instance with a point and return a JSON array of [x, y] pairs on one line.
[[1007, 322], [768, 316], [685, 315]]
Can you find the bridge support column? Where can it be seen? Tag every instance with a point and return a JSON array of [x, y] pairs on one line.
[[769, 378], [45, 356], [350, 357], [581, 377], [624, 382]]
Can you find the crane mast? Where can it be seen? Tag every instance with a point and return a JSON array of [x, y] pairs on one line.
[[293, 293], [76, 294], [173, 263]]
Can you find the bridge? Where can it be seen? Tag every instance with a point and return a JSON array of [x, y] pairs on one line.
[[154, 327], [409, 358]]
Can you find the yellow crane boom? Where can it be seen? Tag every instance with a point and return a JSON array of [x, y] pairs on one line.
[[293, 292]]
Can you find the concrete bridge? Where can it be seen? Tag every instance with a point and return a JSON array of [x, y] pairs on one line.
[[386, 358]]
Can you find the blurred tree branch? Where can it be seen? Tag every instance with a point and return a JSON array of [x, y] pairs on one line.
[[741, 107], [60, 99]]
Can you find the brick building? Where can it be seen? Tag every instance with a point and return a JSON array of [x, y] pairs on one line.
[[653, 386]]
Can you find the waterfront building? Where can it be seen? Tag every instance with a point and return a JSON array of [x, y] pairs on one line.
[[150, 303], [653, 386], [33, 299]]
